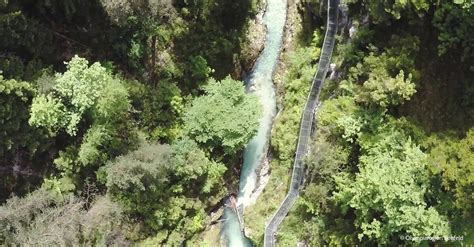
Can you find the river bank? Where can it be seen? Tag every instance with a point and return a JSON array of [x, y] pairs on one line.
[[266, 177], [251, 50], [274, 175], [290, 32]]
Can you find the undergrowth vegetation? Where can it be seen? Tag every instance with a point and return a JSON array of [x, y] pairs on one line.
[[121, 120], [124, 122], [376, 172]]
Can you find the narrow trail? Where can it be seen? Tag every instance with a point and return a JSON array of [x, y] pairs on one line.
[[306, 125]]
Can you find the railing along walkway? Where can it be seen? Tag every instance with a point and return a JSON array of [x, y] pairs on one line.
[[306, 125]]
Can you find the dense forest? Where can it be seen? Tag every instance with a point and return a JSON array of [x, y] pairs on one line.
[[120, 119], [123, 122], [392, 157]]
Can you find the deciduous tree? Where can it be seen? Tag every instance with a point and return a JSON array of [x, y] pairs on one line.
[[15, 132], [453, 161], [224, 117], [169, 187], [86, 96], [388, 192]]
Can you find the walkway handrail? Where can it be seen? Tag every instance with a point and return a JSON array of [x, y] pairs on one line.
[[306, 125]]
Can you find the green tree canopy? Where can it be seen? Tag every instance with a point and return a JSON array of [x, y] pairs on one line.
[[169, 187], [79, 91], [383, 83], [44, 218], [191, 164], [388, 192], [224, 117], [86, 96], [158, 110], [15, 133], [454, 24], [453, 160], [135, 175], [383, 10]]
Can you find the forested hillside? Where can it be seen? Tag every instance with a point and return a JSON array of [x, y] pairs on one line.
[[392, 156], [123, 122]]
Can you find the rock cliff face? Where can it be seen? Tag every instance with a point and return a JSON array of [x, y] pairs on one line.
[[253, 46]]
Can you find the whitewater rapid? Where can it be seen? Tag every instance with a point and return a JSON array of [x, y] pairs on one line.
[[261, 80]]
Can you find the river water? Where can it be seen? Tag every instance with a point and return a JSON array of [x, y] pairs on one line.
[[261, 79]]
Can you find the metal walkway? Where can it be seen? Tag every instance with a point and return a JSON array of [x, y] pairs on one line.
[[306, 125]]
